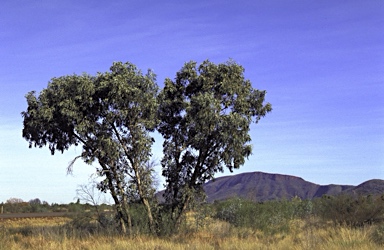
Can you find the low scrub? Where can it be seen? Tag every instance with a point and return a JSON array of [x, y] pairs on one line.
[[342, 222], [271, 217], [351, 210], [216, 234]]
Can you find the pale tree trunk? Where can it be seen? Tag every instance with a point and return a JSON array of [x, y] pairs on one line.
[[140, 187], [121, 204], [144, 200]]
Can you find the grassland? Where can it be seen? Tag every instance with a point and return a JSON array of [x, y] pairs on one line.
[[56, 233]]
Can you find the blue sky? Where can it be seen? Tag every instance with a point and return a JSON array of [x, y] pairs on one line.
[[321, 63]]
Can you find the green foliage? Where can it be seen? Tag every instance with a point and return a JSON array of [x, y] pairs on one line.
[[75, 207], [275, 216], [378, 234], [15, 205], [270, 217], [110, 115], [300, 208], [85, 222], [351, 209], [205, 116], [165, 224], [277, 224]]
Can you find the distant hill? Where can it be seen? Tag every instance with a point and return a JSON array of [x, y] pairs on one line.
[[259, 186], [375, 186]]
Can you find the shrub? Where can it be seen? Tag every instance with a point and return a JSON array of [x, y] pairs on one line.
[[377, 234], [351, 210], [270, 217]]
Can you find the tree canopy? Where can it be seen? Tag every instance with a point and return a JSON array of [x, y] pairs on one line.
[[205, 116], [110, 115]]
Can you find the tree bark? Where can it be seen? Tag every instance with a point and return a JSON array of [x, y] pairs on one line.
[[121, 206], [144, 200]]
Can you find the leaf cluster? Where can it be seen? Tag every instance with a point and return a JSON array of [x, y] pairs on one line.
[[205, 115]]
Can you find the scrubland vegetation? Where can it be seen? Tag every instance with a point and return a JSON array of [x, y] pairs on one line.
[[204, 116], [343, 222]]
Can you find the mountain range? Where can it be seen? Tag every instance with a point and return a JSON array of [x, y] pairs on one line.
[[259, 186]]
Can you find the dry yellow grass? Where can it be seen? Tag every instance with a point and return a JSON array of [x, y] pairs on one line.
[[37, 222], [215, 235]]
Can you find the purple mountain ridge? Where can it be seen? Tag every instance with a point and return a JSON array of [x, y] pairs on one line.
[[259, 186]]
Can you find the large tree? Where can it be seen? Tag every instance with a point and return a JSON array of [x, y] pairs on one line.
[[205, 116], [110, 115]]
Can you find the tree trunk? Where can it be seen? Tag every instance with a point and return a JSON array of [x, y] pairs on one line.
[[149, 214], [140, 187], [144, 200], [124, 201], [180, 212], [121, 205]]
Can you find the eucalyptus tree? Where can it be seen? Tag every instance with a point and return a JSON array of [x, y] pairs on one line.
[[205, 116], [111, 115]]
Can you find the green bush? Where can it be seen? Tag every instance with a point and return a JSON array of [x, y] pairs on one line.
[[377, 234], [351, 210], [140, 222], [270, 217]]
